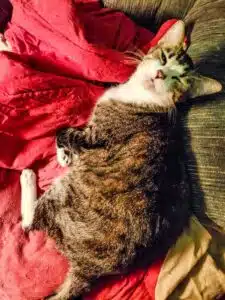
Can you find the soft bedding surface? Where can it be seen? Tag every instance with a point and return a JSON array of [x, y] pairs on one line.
[[63, 52]]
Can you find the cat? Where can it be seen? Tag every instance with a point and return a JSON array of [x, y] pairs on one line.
[[119, 204]]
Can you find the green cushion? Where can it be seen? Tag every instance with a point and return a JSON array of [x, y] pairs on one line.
[[204, 122]]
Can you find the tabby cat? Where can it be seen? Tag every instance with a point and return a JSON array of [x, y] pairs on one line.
[[118, 204]]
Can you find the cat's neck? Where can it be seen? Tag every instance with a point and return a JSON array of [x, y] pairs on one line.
[[136, 94]]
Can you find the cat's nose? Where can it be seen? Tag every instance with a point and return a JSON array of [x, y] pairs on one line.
[[160, 74]]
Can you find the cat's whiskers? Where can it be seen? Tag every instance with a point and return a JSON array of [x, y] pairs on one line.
[[132, 61], [134, 56], [137, 53]]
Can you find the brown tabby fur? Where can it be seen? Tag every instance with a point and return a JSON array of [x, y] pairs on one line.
[[114, 200]]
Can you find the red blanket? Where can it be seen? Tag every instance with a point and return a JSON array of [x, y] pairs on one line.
[[62, 51]]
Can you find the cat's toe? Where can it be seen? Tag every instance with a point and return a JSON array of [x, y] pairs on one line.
[[28, 177], [64, 157], [26, 224]]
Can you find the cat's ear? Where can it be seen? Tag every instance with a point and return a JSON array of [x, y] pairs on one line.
[[174, 36], [202, 85]]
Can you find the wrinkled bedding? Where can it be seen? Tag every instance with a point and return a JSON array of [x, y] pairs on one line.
[[63, 54]]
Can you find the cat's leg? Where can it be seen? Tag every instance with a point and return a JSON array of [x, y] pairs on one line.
[[70, 141], [72, 286], [76, 138], [64, 151], [28, 197]]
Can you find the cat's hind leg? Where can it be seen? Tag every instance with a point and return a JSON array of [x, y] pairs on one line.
[[28, 197]]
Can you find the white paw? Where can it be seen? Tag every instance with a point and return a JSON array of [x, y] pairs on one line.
[[27, 221], [28, 177], [28, 197], [64, 157]]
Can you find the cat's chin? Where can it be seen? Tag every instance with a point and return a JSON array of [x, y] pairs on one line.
[[155, 86], [149, 84]]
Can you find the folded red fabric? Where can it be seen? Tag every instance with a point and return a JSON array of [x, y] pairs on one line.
[[63, 53]]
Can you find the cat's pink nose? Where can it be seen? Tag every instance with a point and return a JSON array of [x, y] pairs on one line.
[[160, 74]]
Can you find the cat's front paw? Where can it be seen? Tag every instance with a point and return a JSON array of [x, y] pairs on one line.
[[64, 157]]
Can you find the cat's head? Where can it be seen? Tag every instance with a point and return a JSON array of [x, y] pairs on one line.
[[167, 71]]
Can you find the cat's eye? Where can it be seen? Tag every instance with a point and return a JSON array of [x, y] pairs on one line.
[[175, 78], [163, 58]]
